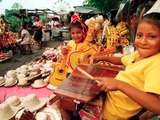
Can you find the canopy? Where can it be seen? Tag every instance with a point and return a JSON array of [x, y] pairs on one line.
[[62, 12], [86, 10]]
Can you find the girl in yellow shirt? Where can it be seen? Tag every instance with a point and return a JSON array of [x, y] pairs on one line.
[[78, 32], [137, 86]]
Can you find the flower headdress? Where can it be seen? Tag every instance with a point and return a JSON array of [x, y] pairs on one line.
[[76, 18]]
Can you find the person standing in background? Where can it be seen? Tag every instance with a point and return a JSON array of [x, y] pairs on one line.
[[37, 25], [55, 27]]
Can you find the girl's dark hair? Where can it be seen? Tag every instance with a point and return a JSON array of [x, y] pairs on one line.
[[77, 24], [153, 18], [24, 26]]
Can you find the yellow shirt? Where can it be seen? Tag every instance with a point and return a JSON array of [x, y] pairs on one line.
[[143, 75], [71, 44], [77, 47]]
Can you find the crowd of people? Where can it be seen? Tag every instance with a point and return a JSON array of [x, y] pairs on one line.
[[27, 34]]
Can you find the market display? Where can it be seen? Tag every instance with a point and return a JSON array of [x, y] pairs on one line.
[[4, 56], [51, 68]]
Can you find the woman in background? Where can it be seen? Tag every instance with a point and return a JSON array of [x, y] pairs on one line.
[[37, 25]]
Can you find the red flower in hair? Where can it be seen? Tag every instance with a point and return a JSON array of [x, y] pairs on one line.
[[76, 18]]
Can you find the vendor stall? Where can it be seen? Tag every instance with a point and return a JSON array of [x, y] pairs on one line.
[[4, 57], [34, 77], [26, 88]]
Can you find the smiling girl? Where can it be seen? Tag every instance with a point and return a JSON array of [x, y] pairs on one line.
[[137, 86]]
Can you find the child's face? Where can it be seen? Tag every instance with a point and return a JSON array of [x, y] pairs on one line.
[[147, 39], [77, 34]]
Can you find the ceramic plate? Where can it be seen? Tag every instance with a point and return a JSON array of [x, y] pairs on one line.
[[39, 86], [2, 83], [33, 77], [11, 84], [23, 85], [53, 113], [51, 87]]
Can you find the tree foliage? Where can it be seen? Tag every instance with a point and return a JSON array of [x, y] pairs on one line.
[[17, 6], [13, 21], [104, 5]]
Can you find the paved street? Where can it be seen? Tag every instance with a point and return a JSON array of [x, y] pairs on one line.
[[18, 60]]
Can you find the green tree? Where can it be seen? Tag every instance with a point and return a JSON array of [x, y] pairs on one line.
[[17, 6], [104, 5], [13, 21]]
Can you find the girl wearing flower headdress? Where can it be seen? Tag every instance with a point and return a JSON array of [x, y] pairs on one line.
[[78, 32]]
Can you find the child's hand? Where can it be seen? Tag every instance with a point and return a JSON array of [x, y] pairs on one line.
[[107, 83], [94, 59], [64, 50]]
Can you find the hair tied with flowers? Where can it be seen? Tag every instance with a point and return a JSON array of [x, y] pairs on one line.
[[76, 18]]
